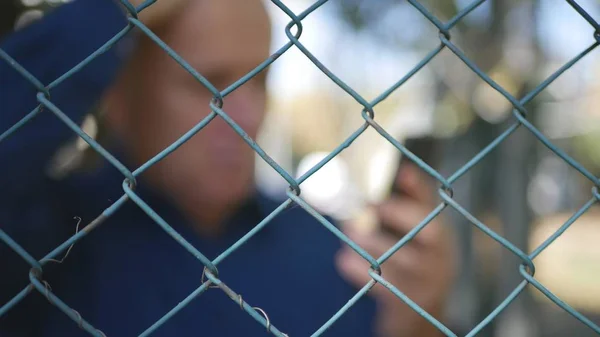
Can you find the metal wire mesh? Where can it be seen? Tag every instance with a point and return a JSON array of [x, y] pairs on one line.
[[212, 279]]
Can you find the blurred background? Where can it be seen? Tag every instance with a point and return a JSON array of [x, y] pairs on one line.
[[521, 190]]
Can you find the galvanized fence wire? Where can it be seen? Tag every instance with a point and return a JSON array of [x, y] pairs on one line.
[[211, 277]]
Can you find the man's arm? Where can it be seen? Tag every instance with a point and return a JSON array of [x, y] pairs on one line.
[[47, 49]]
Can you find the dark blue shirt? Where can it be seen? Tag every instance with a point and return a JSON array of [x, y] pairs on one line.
[[126, 274]]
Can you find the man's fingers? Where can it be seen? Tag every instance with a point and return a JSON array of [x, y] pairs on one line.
[[356, 270], [402, 216], [414, 183], [353, 267], [404, 276], [377, 244]]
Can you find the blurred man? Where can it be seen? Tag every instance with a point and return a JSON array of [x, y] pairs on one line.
[[128, 273]]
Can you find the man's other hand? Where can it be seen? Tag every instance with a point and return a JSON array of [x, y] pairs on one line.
[[423, 269]]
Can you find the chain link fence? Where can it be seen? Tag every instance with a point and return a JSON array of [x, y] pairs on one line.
[[211, 277]]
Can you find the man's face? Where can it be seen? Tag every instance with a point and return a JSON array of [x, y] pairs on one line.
[[223, 40]]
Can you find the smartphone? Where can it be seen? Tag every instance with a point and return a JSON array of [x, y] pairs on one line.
[[423, 147], [427, 150]]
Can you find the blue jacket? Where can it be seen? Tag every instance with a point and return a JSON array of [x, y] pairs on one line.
[[128, 273]]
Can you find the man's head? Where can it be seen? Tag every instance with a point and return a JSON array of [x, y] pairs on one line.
[[156, 101]]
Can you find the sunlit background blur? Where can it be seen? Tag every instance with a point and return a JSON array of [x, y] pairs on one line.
[[521, 190]]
